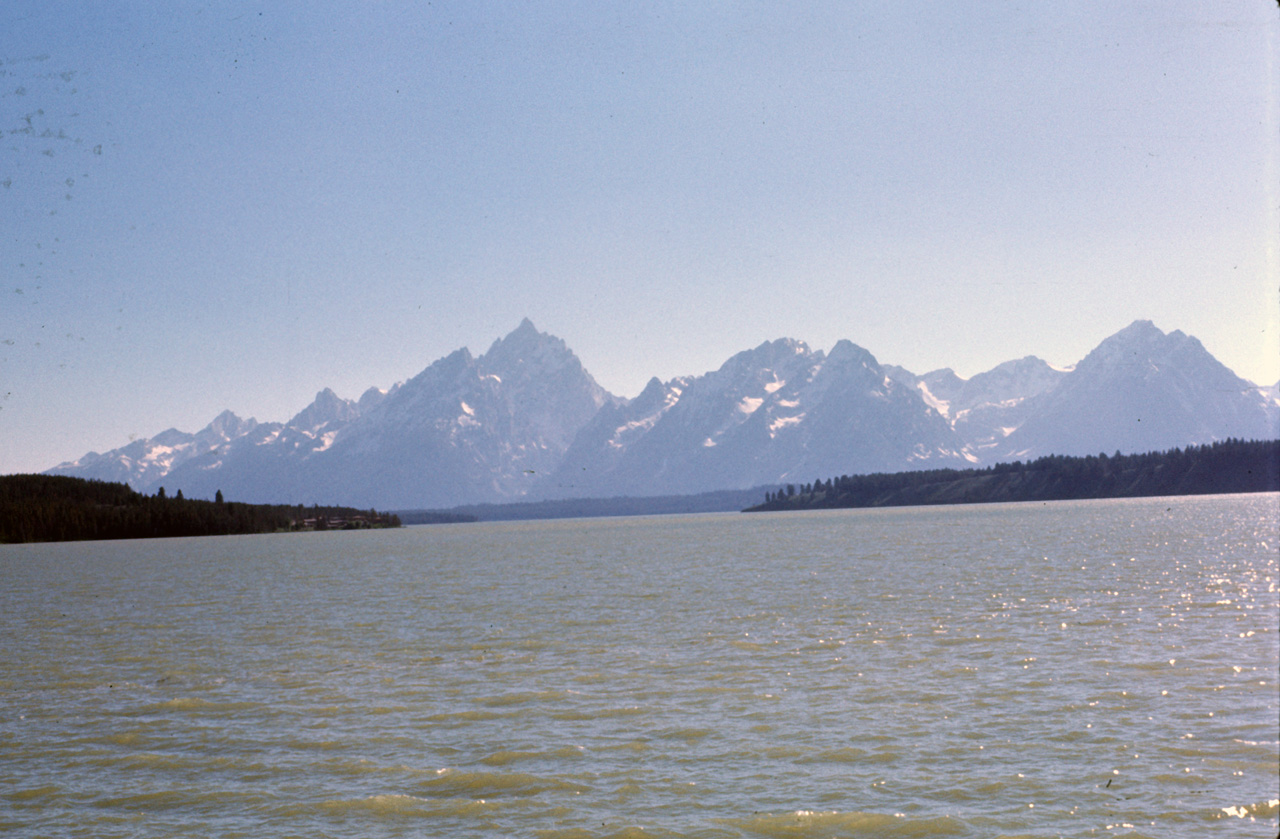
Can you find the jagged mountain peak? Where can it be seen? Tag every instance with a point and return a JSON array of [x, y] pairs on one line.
[[847, 352], [653, 395], [1017, 379], [526, 418], [227, 426], [1142, 389], [763, 364], [523, 336], [1141, 342], [849, 366], [776, 410], [327, 399], [526, 345], [778, 350], [1140, 328], [372, 398], [534, 364], [327, 408]]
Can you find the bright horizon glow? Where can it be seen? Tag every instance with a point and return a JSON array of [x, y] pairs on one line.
[[236, 206]]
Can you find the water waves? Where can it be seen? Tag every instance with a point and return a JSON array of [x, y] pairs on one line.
[[1090, 669]]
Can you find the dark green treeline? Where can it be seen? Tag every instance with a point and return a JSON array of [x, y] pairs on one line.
[[55, 508], [1227, 466]]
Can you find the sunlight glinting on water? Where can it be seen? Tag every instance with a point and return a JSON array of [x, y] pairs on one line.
[[1069, 669]]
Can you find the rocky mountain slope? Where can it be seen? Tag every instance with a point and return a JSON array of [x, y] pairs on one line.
[[986, 408], [775, 413], [1142, 390], [463, 430], [526, 421]]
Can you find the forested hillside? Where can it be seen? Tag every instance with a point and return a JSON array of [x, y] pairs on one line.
[[1227, 466], [54, 508]]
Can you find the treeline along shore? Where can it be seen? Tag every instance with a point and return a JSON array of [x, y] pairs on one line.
[[52, 508], [55, 508], [1216, 468]]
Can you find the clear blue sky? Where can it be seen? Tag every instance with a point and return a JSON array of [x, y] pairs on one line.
[[234, 205]]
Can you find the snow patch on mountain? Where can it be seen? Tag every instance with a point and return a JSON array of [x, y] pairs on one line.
[[1142, 390], [525, 420], [942, 406], [766, 413], [146, 461], [780, 423]]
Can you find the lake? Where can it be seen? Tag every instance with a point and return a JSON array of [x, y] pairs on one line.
[[1083, 668]]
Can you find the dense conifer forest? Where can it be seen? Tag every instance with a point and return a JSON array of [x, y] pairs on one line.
[[1223, 467], [51, 508]]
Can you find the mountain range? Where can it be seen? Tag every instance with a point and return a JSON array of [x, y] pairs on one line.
[[526, 421]]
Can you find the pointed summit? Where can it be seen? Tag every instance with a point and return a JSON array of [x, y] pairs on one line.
[[526, 332], [1140, 328], [778, 412], [1141, 343], [847, 352], [526, 349], [227, 426], [526, 419], [1142, 390], [542, 377], [326, 408], [371, 398]]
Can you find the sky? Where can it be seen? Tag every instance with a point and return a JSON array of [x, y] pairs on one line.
[[235, 205]]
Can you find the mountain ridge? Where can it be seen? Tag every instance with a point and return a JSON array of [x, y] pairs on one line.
[[526, 421]]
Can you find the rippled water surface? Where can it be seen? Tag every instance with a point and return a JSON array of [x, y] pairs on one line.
[[1070, 669]]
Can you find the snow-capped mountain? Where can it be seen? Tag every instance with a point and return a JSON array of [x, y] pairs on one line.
[[780, 412], [1142, 390], [145, 462], [986, 408], [526, 420], [465, 429], [328, 411]]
